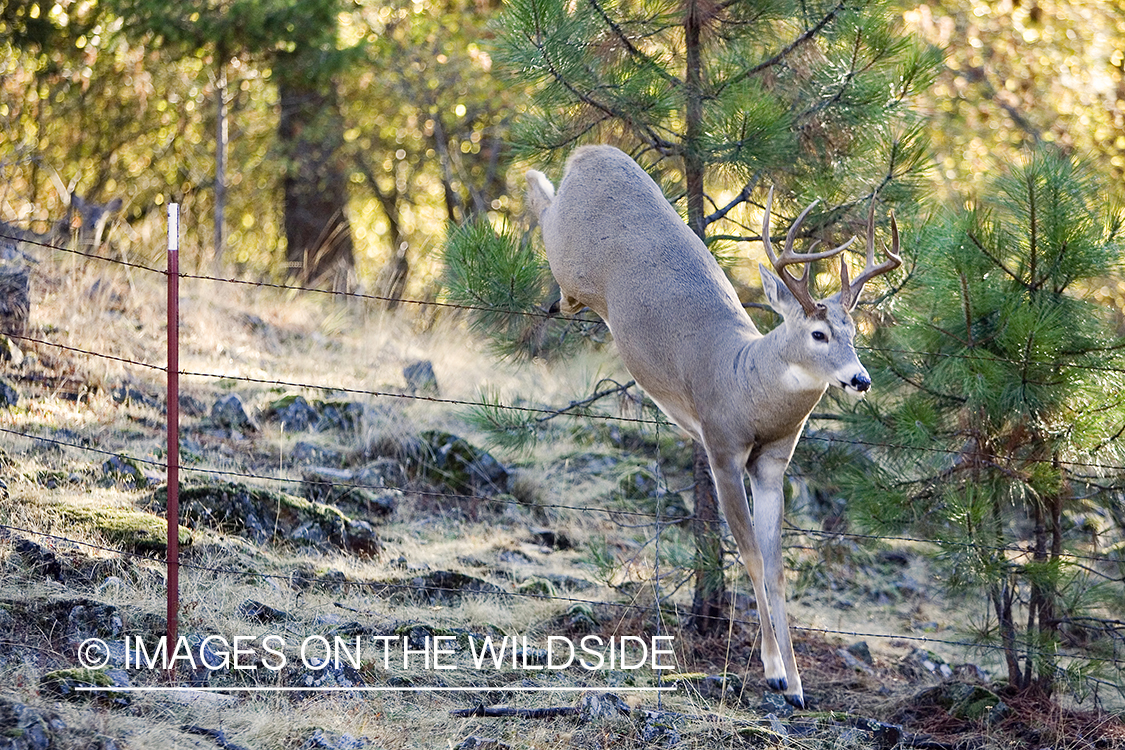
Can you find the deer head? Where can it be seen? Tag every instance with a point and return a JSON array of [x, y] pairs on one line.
[[819, 335]]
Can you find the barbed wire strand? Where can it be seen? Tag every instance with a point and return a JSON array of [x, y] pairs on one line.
[[650, 518], [1000, 459], [383, 587], [476, 308], [490, 309]]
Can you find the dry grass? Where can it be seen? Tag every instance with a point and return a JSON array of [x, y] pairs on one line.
[[268, 335]]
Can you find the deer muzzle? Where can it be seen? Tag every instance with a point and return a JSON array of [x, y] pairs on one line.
[[861, 382]]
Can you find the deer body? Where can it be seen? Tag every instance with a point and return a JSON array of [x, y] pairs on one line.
[[91, 222], [615, 245]]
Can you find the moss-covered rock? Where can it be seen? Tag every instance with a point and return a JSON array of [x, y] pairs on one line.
[[446, 459], [537, 586], [446, 587], [26, 728], [76, 685], [123, 527], [263, 515], [964, 701]]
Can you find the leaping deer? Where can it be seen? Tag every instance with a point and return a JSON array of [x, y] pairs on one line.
[[617, 246]]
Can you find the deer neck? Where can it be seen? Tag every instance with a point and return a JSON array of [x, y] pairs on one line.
[[771, 366]]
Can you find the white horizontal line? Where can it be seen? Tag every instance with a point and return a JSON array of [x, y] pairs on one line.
[[375, 689]]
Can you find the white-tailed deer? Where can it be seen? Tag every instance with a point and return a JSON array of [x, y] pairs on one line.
[[84, 224], [615, 245]]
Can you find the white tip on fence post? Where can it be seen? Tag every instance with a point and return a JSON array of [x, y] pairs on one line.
[[172, 514]]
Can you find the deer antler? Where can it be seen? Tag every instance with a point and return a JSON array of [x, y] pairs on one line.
[[799, 287], [850, 290]]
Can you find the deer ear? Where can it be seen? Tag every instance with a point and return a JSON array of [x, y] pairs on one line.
[[778, 295]]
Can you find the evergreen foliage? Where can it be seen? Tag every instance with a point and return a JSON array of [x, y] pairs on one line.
[[719, 102], [1007, 424], [504, 281], [814, 94]]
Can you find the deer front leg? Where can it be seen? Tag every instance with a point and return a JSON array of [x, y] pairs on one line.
[[766, 486], [727, 472]]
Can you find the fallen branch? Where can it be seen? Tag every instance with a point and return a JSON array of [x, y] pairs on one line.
[[492, 712]]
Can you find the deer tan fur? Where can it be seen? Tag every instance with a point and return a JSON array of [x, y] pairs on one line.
[[616, 246]]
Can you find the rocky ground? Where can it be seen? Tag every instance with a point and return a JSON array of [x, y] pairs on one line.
[[362, 524]]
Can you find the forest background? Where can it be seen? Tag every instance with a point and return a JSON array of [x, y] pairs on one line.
[[332, 144], [333, 141]]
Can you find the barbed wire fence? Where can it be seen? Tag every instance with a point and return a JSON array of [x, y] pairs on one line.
[[637, 517]]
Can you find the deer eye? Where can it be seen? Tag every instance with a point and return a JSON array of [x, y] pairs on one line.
[[819, 336]]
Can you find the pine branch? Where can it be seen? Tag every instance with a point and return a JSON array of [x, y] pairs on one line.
[[739, 199], [632, 50], [597, 396], [784, 53], [654, 140], [999, 263]]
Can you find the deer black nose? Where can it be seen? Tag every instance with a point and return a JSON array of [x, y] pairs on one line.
[[861, 382]]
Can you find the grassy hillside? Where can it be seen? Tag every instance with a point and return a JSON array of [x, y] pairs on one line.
[[361, 518]]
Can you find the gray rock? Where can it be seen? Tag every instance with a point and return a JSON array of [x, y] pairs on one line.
[[229, 413], [350, 416], [255, 611], [551, 538], [320, 739], [345, 490], [659, 731], [326, 673], [599, 706], [41, 560], [308, 453], [127, 471], [191, 406], [8, 395], [481, 743], [775, 703], [420, 378], [127, 394], [447, 587], [293, 413], [26, 728], [381, 473], [862, 652]]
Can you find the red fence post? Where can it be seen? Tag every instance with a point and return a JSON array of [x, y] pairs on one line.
[[172, 514]]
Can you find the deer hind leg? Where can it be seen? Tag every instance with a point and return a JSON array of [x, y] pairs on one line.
[[727, 473], [766, 477]]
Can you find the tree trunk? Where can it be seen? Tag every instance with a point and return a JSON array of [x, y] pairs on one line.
[[220, 161], [320, 250], [390, 284], [708, 613], [710, 586], [1043, 631]]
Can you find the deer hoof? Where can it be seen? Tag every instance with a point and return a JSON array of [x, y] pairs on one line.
[[777, 683], [797, 700]]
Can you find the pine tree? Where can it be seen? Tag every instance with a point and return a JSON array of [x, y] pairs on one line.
[[719, 101], [1008, 417], [300, 39]]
